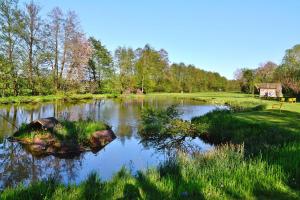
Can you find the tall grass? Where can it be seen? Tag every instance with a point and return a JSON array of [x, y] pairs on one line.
[[80, 131], [272, 135], [222, 173]]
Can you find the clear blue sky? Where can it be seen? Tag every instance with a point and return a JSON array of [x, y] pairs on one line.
[[215, 35]]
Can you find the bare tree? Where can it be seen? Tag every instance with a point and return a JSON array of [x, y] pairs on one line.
[[56, 28], [80, 52], [70, 29], [265, 72], [32, 38]]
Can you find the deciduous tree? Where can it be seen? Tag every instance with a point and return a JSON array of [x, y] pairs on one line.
[[11, 24], [125, 62], [100, 63]]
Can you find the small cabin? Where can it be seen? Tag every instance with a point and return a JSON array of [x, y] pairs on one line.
[[270, 90]]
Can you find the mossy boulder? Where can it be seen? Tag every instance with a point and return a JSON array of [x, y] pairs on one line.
[[48, 136]]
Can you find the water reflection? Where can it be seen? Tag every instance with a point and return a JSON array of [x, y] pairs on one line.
[[172, 145], [16, 165]]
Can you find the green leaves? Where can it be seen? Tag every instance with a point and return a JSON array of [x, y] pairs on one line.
[[164, 131], [158, 121], [100, 66]]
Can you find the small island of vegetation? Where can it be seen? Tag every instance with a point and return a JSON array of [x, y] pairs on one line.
[[63, 138]]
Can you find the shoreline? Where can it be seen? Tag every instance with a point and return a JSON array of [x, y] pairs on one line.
[[50, 98], [259, 144]]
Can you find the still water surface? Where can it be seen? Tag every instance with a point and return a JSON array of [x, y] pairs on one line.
[[17, 165]]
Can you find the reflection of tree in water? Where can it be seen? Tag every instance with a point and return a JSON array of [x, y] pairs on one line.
[[19, 166], [124, 129], [14, 166], [164, 131], [129, 111], [170, 145], [8, 117]]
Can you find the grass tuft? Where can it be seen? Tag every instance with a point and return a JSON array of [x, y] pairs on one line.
[[222, 173]]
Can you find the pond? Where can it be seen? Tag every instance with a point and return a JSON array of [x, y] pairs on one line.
[[17, 165]]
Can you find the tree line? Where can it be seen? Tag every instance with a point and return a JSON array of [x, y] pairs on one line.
[[51, 54], [287, 73]]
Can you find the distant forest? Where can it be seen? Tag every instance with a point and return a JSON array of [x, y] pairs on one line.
[[287, 73], [51, 54]]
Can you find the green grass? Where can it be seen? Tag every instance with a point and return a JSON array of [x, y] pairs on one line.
[[262, 163], [222, 173], [260, 127], [208, 97], [229, 98], [80, 130], [49, 98], [77, 131], [269, 133]]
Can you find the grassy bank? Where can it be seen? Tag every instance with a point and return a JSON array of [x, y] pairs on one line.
[[244, 101], [261, 162], [270, 134], [222, 173], [49, 98], [221, 98], [273, 135]]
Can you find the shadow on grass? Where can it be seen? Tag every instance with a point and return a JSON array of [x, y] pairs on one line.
[[272, 135], [262, 193], [92, 187], [167, 182], [169, 177], [255, 129], [131, 192], [39, 190]]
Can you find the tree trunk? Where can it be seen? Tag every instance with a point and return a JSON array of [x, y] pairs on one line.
[[99, 80], [55, 78], [30, 65], [143, 84], [30, 56], [11, 64], [62, 65]]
